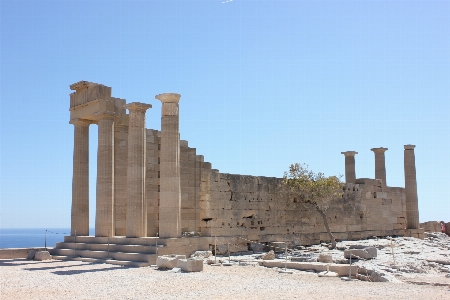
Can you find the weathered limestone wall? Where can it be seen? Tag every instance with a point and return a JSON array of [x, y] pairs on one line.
[[431, 226], [238, 205]]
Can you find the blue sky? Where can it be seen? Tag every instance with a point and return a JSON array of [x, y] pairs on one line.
[[264, 84]]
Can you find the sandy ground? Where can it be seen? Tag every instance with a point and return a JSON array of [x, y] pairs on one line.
[[421, 271], [23, 279]]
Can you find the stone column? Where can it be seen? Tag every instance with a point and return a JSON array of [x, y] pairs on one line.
[[136, 201], [412, 206], [80, 179], [380, 165], [170, 190], [120, 178], [104, 217], [350, 175]]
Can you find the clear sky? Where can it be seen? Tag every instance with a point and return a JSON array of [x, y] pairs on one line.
[[263, 84]]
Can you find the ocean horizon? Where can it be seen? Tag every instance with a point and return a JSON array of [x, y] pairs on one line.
[[33, 237]]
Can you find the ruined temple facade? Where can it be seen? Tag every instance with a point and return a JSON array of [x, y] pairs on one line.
[[151, 183]]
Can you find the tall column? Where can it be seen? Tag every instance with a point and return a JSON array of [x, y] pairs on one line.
[[170, 190], [136, 201], [104, 217], [80, 179], [350, 175], [412, 205], [380, 165], [120, 178]]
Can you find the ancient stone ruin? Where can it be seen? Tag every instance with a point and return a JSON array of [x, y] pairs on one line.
[[150, 183]]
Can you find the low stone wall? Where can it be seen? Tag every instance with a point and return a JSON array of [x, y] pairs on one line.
[[10, 253], [340, 269]]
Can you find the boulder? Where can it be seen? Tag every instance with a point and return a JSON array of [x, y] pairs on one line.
[[269, 255], [42, 255], [31, 254], [325, 258], [168, 261], [201, 254], [190, 265], [366, 253]]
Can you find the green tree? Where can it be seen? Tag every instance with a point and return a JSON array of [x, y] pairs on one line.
[[314, 189]]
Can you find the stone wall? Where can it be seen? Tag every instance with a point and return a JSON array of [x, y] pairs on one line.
[[255, 208]]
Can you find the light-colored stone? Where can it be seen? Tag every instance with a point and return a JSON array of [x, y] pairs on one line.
[[269, 255], [366, 253], [42, 255], [190, 265], [168, 261]]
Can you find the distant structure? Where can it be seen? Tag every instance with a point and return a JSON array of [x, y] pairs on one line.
[[151, 183]]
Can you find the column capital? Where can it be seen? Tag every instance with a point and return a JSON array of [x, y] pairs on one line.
[[104, 115], [379, 150], [410, 147], [80, 122], [168, 97], [137, 106], [349, 153]]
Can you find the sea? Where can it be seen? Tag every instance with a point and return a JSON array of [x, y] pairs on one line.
[[33, 237]]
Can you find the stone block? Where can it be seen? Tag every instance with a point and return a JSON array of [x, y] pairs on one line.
[[366, 253], [31, 254], [190, 265], [42, 255], [168, 261]]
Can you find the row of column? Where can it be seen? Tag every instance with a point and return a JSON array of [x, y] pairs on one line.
[[136, 206], [412, 209]]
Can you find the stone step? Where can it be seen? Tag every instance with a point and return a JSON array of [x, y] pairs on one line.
[[104, 255], [112, 247], [103, 261], [118, 240]]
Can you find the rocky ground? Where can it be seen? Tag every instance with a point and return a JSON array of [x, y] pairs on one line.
[[420, 271]]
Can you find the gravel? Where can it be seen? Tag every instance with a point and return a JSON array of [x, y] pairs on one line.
[[414, 276]]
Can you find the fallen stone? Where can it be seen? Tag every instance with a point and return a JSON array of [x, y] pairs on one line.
[[201, 254], [269, 255], [325, 258], [366, 253], [190, 265], [439, 261], [31, 254], [42, 255], [168, 261], [327, 274]]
